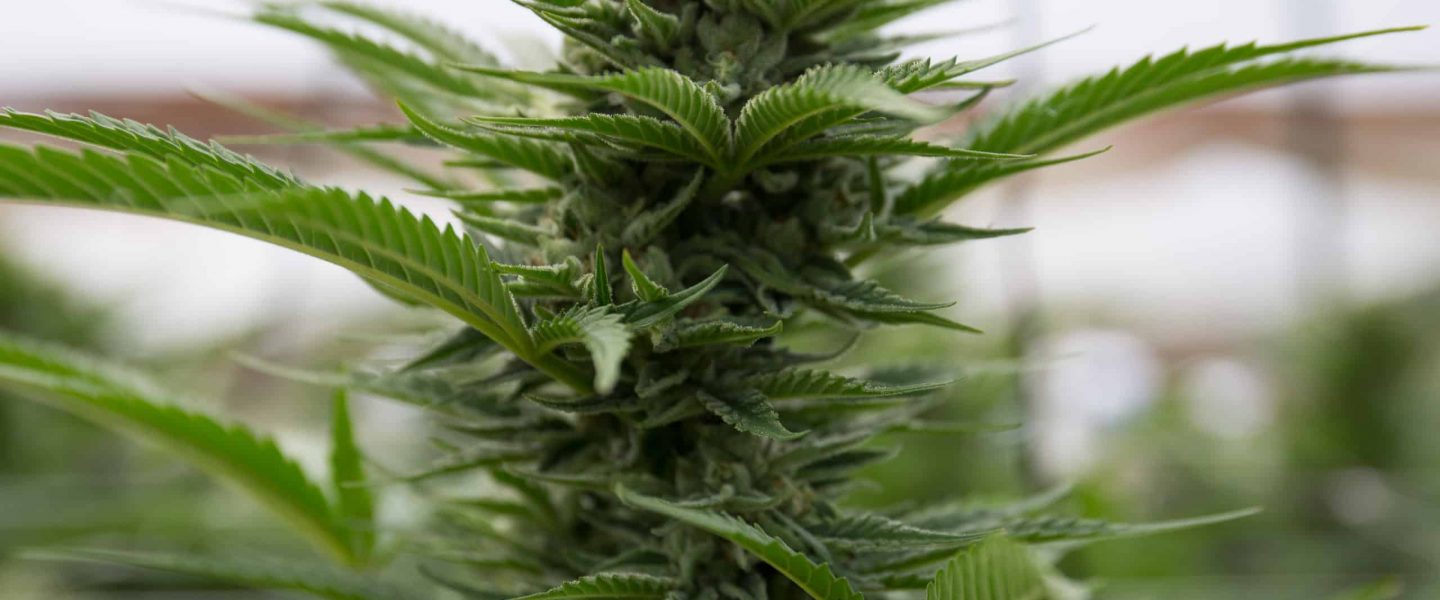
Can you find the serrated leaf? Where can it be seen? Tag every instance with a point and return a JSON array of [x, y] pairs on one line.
[[996, 569], [938, 188], [649, 314], [374, 239], [512, 230], [817, 580], [871, 531], [439, 40], [545, 159], [122, 400], [933, 233], [354, 504], [301, 127], [361, 50], [130, 136], [645, 288], [602, 332], [820, 90], [877, 145], [1047, 529], [748, 411], [520, 196], [874, 14], [691, 334], [608, 586], [804, 384], [679, 97], [628, 130], [272, 574], [600, 282], [659, 27], [1094, 104]]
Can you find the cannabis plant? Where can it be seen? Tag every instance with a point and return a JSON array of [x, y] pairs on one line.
[[634, 229]]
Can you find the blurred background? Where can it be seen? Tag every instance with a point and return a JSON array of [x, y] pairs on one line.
[[1237, 306]]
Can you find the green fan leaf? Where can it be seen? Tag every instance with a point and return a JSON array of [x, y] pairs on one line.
[[354, 503], [130, 136], [938, 188], [377, 240], [631, 130], [748, 411], [870, 532], [541, 158], [478, 198], [368, 56], [1038, 530], [602, 332], [609, 586], [689, 105], [817, 580], [804, 384], [649, 314], [434, 37], [691, 334], [512, 230], [821, 90], [996, 569], [122, 400], [317, 580], [661, 28], [1092, 105], [878, 145]]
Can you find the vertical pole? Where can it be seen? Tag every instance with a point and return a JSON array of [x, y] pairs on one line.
[[1017, 258], [1315, 135]]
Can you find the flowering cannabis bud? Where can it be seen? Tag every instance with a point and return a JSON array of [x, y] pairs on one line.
[[691, 178]]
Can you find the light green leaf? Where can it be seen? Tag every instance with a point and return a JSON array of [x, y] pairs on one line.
[[996, 569], [942, 186], [443, 42], [691, 334], [1091, 105], [661, 28], [676, 95], [541, 158], [354, 505], [633, 130], [645, 288], [820, 90], [130, 136], [877, 145], [804, 384], [507, 229], [609, 586], [1038, 530], [517, 196], [374, 239], [363, 52], [601, 280], [649, 314], [602, 332], [817, 580], [875, 532], [748, 411], [122, 400]]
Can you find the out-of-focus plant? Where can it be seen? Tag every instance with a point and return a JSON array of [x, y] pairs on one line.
[[1345, 469], [690, 179]]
